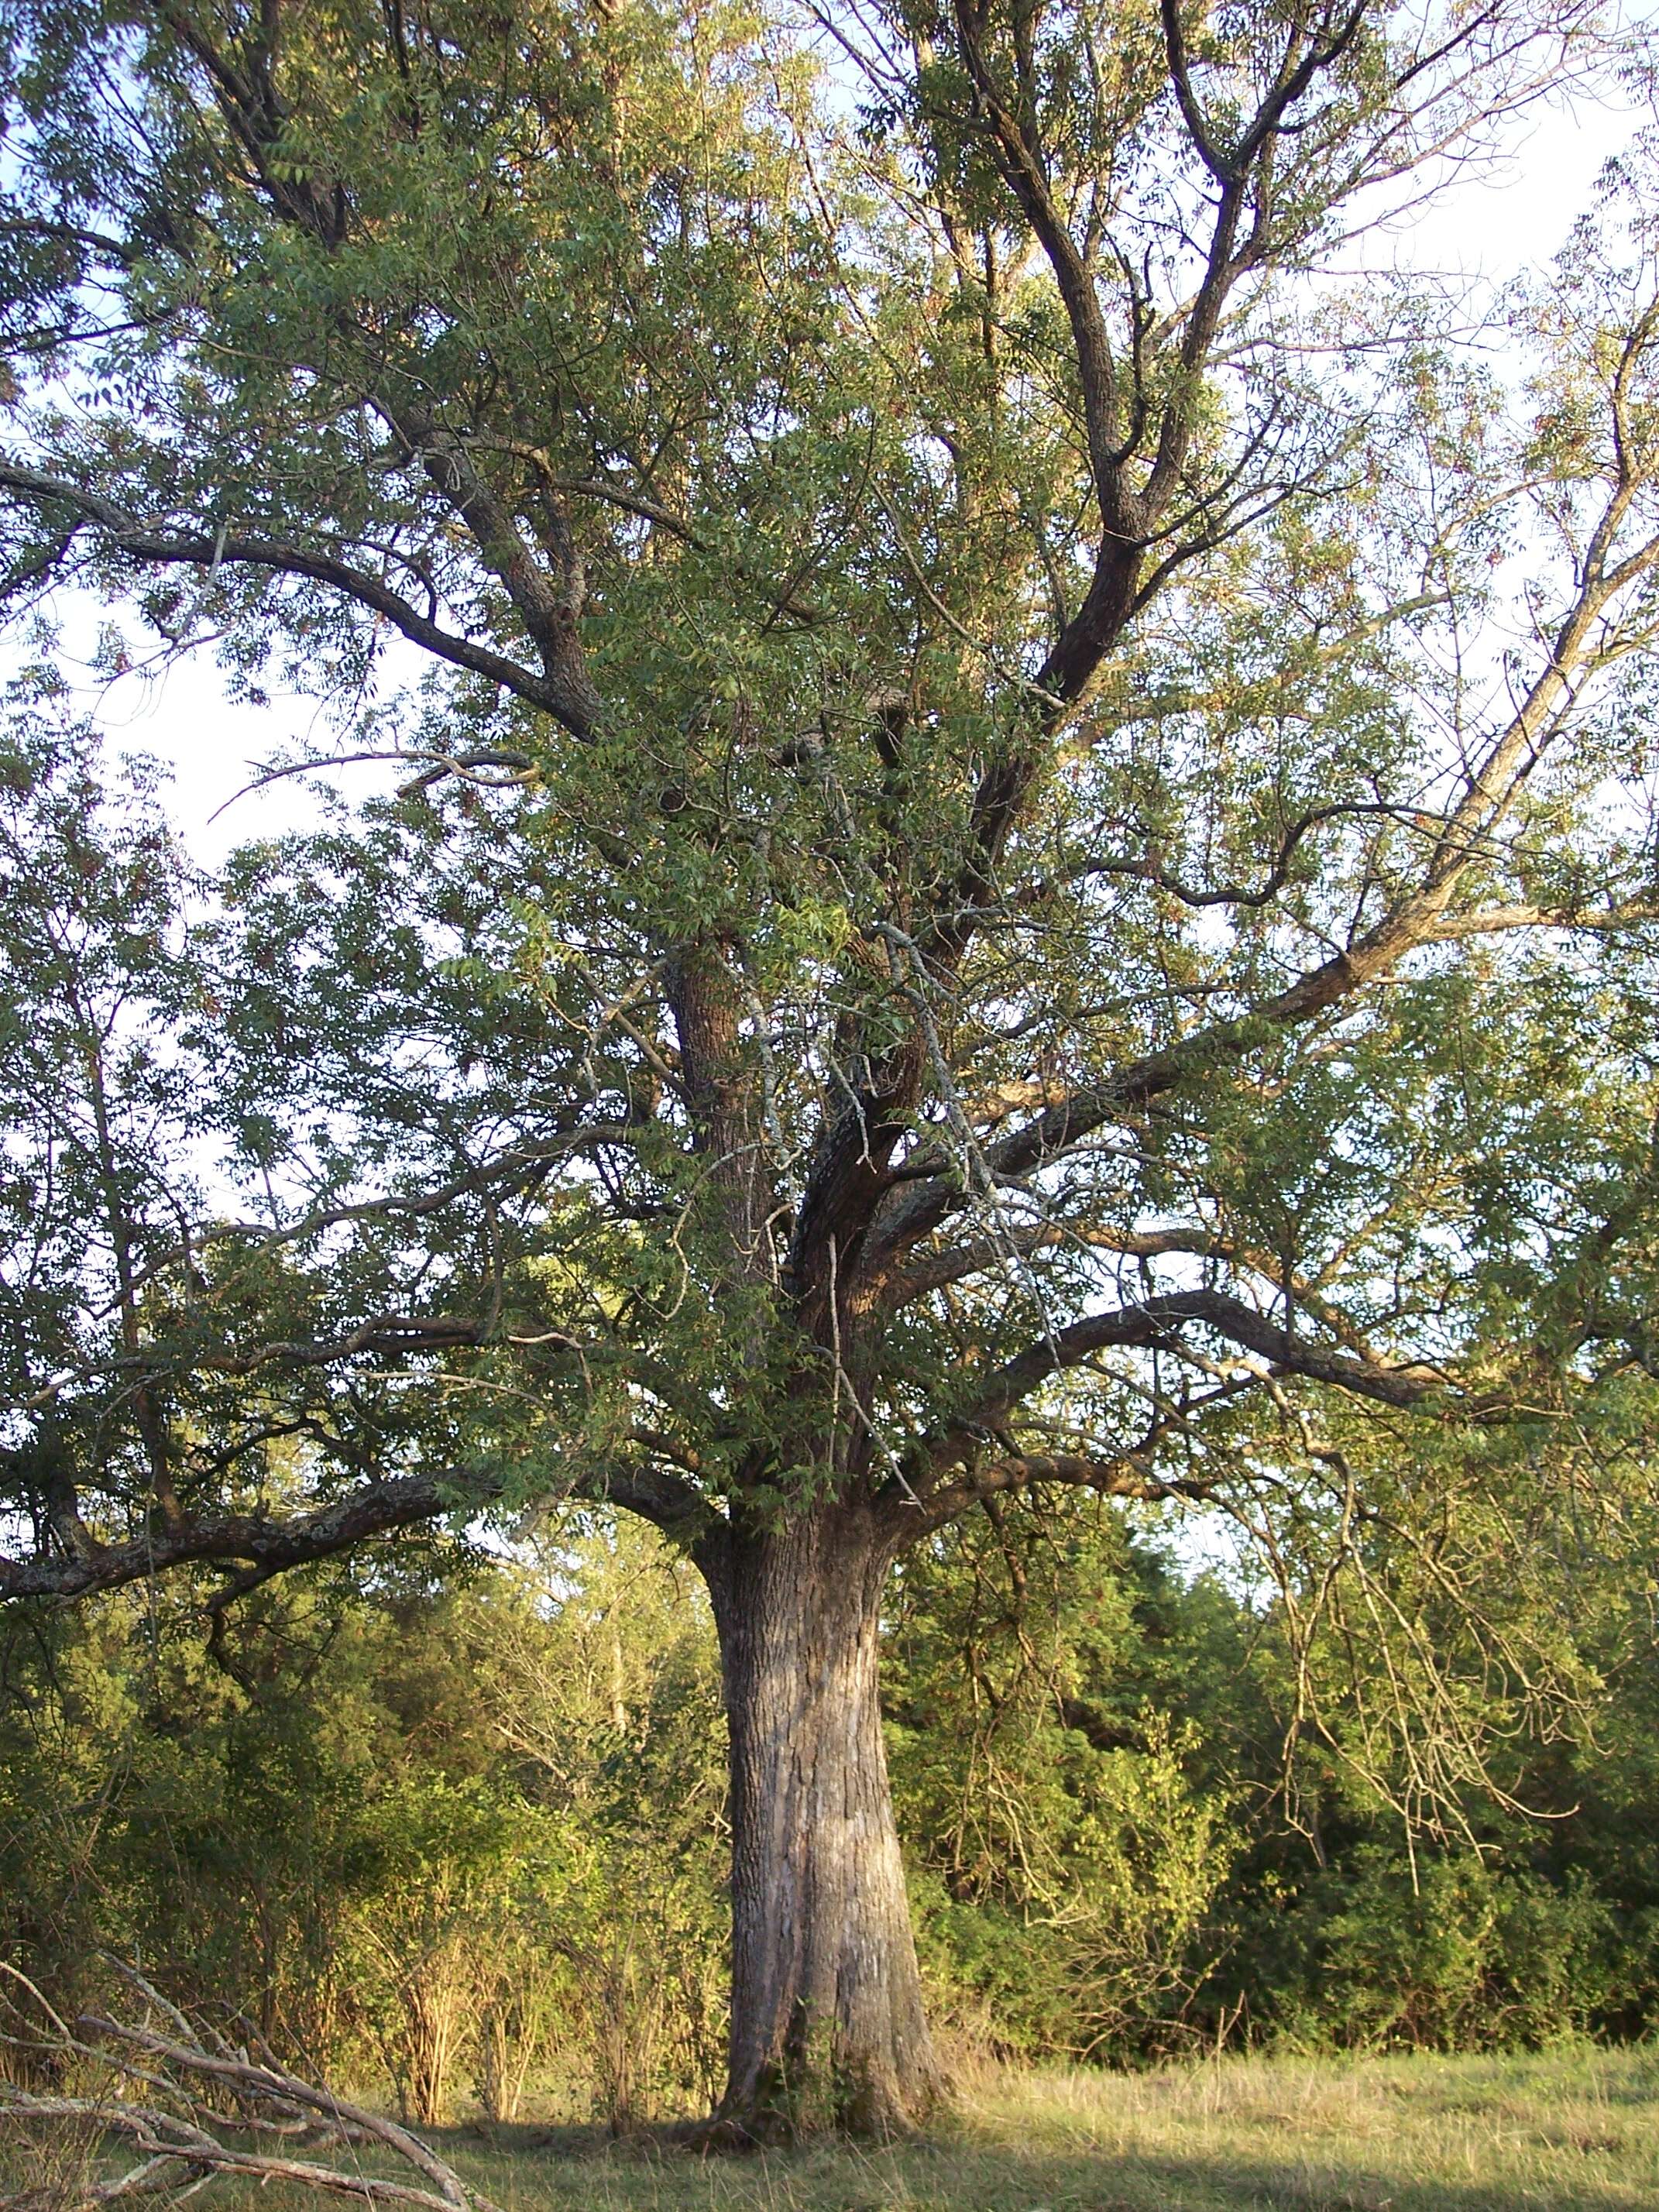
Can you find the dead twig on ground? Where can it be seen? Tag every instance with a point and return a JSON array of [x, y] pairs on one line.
[[193, 2106]]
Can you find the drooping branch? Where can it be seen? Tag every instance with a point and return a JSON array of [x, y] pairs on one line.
[[164, 546], [119, 251], [269, 1544], [932, 1271], [979, 1454], [964, 1466], [1130, 1475], [1158, 1322]]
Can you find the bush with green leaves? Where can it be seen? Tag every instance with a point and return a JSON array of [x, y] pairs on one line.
[[445, 1840]]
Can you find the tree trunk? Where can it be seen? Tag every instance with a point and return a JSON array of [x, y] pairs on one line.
[[827, 2022]]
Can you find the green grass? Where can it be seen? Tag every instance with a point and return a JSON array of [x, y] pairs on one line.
[[1573, 2128]]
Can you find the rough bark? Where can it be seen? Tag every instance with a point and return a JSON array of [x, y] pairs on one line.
[[828, 2026]]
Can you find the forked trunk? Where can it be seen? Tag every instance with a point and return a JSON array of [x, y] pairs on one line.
[[828, 2028]]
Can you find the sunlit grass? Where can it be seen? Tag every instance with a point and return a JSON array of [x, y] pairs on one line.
[[1572, 2128], [1564, 2131]]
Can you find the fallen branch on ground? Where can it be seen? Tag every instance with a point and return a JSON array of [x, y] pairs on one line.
[[193, 2105]]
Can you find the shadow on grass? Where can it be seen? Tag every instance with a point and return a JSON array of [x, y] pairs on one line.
[[541, 2169]]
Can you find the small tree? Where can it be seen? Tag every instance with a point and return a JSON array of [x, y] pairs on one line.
[[1058, 904]]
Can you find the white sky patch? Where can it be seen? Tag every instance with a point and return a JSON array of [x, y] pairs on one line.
[[1513, 211]]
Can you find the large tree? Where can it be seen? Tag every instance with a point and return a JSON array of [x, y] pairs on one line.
[[1020, 855]]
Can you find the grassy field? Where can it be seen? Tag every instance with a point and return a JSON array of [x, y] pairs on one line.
[[1575, 2128]]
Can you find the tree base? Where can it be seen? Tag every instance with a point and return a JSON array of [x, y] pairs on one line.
[[780, 2116]]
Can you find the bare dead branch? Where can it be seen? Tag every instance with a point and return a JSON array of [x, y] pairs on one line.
[[181, 2130]]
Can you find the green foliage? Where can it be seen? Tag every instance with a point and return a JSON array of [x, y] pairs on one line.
[[737, 474], [1048, 1768], [463, 1839], [1387, 1949], [455, 1840]]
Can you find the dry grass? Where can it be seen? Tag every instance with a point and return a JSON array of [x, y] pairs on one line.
[[1571, 2128], [1574, 2127]]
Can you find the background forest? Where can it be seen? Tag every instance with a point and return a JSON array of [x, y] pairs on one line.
[[452, 1826]]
